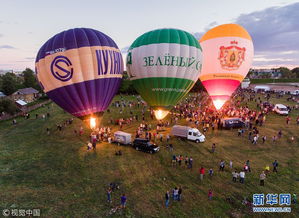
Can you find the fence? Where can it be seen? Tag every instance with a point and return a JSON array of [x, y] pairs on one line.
[[24, 110]]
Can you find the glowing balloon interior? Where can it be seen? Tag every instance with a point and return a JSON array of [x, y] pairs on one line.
[[92, 123], [80, 70], [160, 114], [227, 57]]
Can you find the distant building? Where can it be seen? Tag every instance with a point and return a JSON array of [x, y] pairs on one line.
[[245, 83], [265, 73], [26, 94], [2, 95]]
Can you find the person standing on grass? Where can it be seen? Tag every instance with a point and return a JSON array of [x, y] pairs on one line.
[[123, 201], [211, 172], [235, 176], [264, 138], [230, 164], [201, 173], [175, 193], [275, 165], [210, 194], [248, 165], [288, 119], [242, 177], [254, 141], [109, 191], [262, 178], [190, 163], [94, 143], [279, 134], [294, 198], [213, 147], [180, 193], [173, 160], [167, 196], [180, 158], [186, 161], [221, 165], [167, 138]]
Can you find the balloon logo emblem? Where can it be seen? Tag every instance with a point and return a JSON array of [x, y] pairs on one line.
[[61, 68], [231, 57]]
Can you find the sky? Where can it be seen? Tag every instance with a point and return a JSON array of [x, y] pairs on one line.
[[25, 25]]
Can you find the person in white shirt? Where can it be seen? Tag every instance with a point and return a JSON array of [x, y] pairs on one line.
[[242, 176]]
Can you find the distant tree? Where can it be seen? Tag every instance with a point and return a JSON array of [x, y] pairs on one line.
[[29, 78], [266, 75], [296, 72], [197, 87], [286, 73], [125, 75], [127, 87], [1, 82], [8, 106], [10, 83], [250, 74]]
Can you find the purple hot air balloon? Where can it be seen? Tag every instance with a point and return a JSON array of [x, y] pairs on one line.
[[80, 70]]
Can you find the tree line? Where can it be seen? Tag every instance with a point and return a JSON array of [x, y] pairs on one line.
[[10, 83]]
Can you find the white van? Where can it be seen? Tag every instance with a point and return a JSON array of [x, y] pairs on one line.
[[191, 134], [281, 109]]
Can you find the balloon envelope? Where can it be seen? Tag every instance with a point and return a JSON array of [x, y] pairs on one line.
[[80, 70], [164, 65], [227, 57]]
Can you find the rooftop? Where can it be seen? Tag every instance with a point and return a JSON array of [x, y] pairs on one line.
[[26, 91]]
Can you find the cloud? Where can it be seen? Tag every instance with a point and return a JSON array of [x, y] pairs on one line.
[[30, 58], [124, 50], [6, 47], [211, 25], [198, 35], [275, 34], [1, 35]]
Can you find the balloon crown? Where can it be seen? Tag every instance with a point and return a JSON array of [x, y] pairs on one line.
[[234, 42]]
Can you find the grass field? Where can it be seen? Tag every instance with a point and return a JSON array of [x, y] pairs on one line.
[[57, 175]]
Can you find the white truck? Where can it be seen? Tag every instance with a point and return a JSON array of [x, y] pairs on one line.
[[122, 138], [191, 134]]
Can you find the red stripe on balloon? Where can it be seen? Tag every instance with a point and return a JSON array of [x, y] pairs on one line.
[[221, 86]]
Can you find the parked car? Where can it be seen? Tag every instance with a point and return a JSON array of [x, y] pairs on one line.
[[295, 92], [281, 109], [145, 145], [268, 105], [232, 122]]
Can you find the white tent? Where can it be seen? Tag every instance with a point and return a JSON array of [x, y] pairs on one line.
[[261, 88]]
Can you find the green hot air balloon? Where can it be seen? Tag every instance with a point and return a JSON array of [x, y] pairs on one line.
[[164, 65]]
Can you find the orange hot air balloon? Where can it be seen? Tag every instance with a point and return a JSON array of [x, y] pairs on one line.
[[227, 57]]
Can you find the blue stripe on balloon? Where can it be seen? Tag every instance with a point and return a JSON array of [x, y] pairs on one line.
[[75, 38]]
